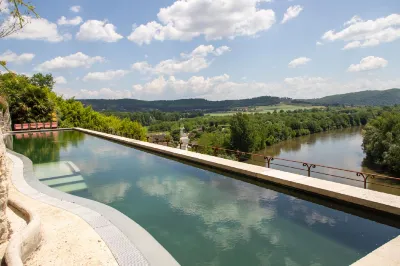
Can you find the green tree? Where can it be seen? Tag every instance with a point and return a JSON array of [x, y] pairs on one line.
[[381, 140], [43, 81], [241, 132]]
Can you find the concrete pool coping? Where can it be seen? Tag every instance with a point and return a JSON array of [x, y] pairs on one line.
[[129, 243]]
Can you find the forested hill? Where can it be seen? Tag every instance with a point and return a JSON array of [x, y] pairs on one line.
[[371, 98], [130, 105]]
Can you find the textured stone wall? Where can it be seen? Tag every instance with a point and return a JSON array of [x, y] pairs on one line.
[[3, 191]]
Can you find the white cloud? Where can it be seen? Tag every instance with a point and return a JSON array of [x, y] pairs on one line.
[[319, 43], [368, 63], [11, 57], [60, 80], [291, 13], [36, 29], [360, 33], [299, 61], [222, 88], [196, 85], [217, 19], [4, 7], [107, 75], [104, 93], [71, 61], [73, 22], [95, 30], [191, 63], [353, 20], [75, 9]]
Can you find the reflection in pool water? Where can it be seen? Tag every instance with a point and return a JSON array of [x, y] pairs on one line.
[[206, 218]]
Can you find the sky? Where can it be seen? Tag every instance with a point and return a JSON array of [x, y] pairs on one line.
[[212, 49]]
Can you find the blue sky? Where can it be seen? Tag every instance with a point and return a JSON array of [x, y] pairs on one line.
[[220, 49]]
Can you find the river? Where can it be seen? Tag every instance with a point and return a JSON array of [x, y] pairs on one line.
[[337, 148]]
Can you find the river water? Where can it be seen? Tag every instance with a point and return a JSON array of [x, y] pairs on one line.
[[338, 148]]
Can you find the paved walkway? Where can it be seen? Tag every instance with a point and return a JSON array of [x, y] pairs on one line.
[[67, 239]]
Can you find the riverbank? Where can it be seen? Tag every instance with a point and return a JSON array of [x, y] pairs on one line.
[[336, 148]]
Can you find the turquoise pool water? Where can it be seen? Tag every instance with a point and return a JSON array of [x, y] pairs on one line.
[[200, 216]]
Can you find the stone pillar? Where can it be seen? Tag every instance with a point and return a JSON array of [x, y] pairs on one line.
[[3, 191]]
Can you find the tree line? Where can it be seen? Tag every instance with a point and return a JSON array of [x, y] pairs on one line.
[[31, 99], [253, 132], [183, 105], [153, 117]]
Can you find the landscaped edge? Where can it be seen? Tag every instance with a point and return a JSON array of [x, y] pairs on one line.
[[23, 243], [129, 242]]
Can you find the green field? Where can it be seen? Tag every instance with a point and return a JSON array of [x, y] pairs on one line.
[[266, 109]]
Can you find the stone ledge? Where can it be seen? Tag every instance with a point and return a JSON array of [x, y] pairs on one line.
[[387, 255], [370, 199], [22, 244], [129, 242]]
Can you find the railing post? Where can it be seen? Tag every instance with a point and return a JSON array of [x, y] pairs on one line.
[[269, 159], [309, 166], [237, 154], [365, 177], [180, 145], [147, 138]]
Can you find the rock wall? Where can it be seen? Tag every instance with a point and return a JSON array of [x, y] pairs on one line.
[[3, 191], [5, 125]]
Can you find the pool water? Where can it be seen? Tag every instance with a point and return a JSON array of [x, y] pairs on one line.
[[200, 216]]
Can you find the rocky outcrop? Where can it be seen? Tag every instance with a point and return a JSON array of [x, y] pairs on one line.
[[3, 191]]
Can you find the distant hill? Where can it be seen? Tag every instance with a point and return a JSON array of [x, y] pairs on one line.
[[372, 98], [131, 105]]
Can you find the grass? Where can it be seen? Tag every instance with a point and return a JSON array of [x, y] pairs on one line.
[[269, 108]]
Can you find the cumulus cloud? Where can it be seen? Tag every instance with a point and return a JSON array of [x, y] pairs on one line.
[[12, 57], [36, 29], [95, 30], [222, 88], [104, 93], [360, 33], [75, 9], [218, 19], [60, 80], [368, 63], [71, 61], [190, 63], [107, 75], [291, 13], [299, 61], [69, 22]]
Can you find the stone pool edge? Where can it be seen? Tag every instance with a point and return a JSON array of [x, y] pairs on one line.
[[129, 243]]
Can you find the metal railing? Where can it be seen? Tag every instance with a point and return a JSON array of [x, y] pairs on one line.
[[269, 161]]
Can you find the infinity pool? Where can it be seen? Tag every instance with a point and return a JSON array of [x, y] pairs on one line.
[[200, 216]]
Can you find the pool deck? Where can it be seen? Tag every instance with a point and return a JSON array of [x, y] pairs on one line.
[[125, 229]]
